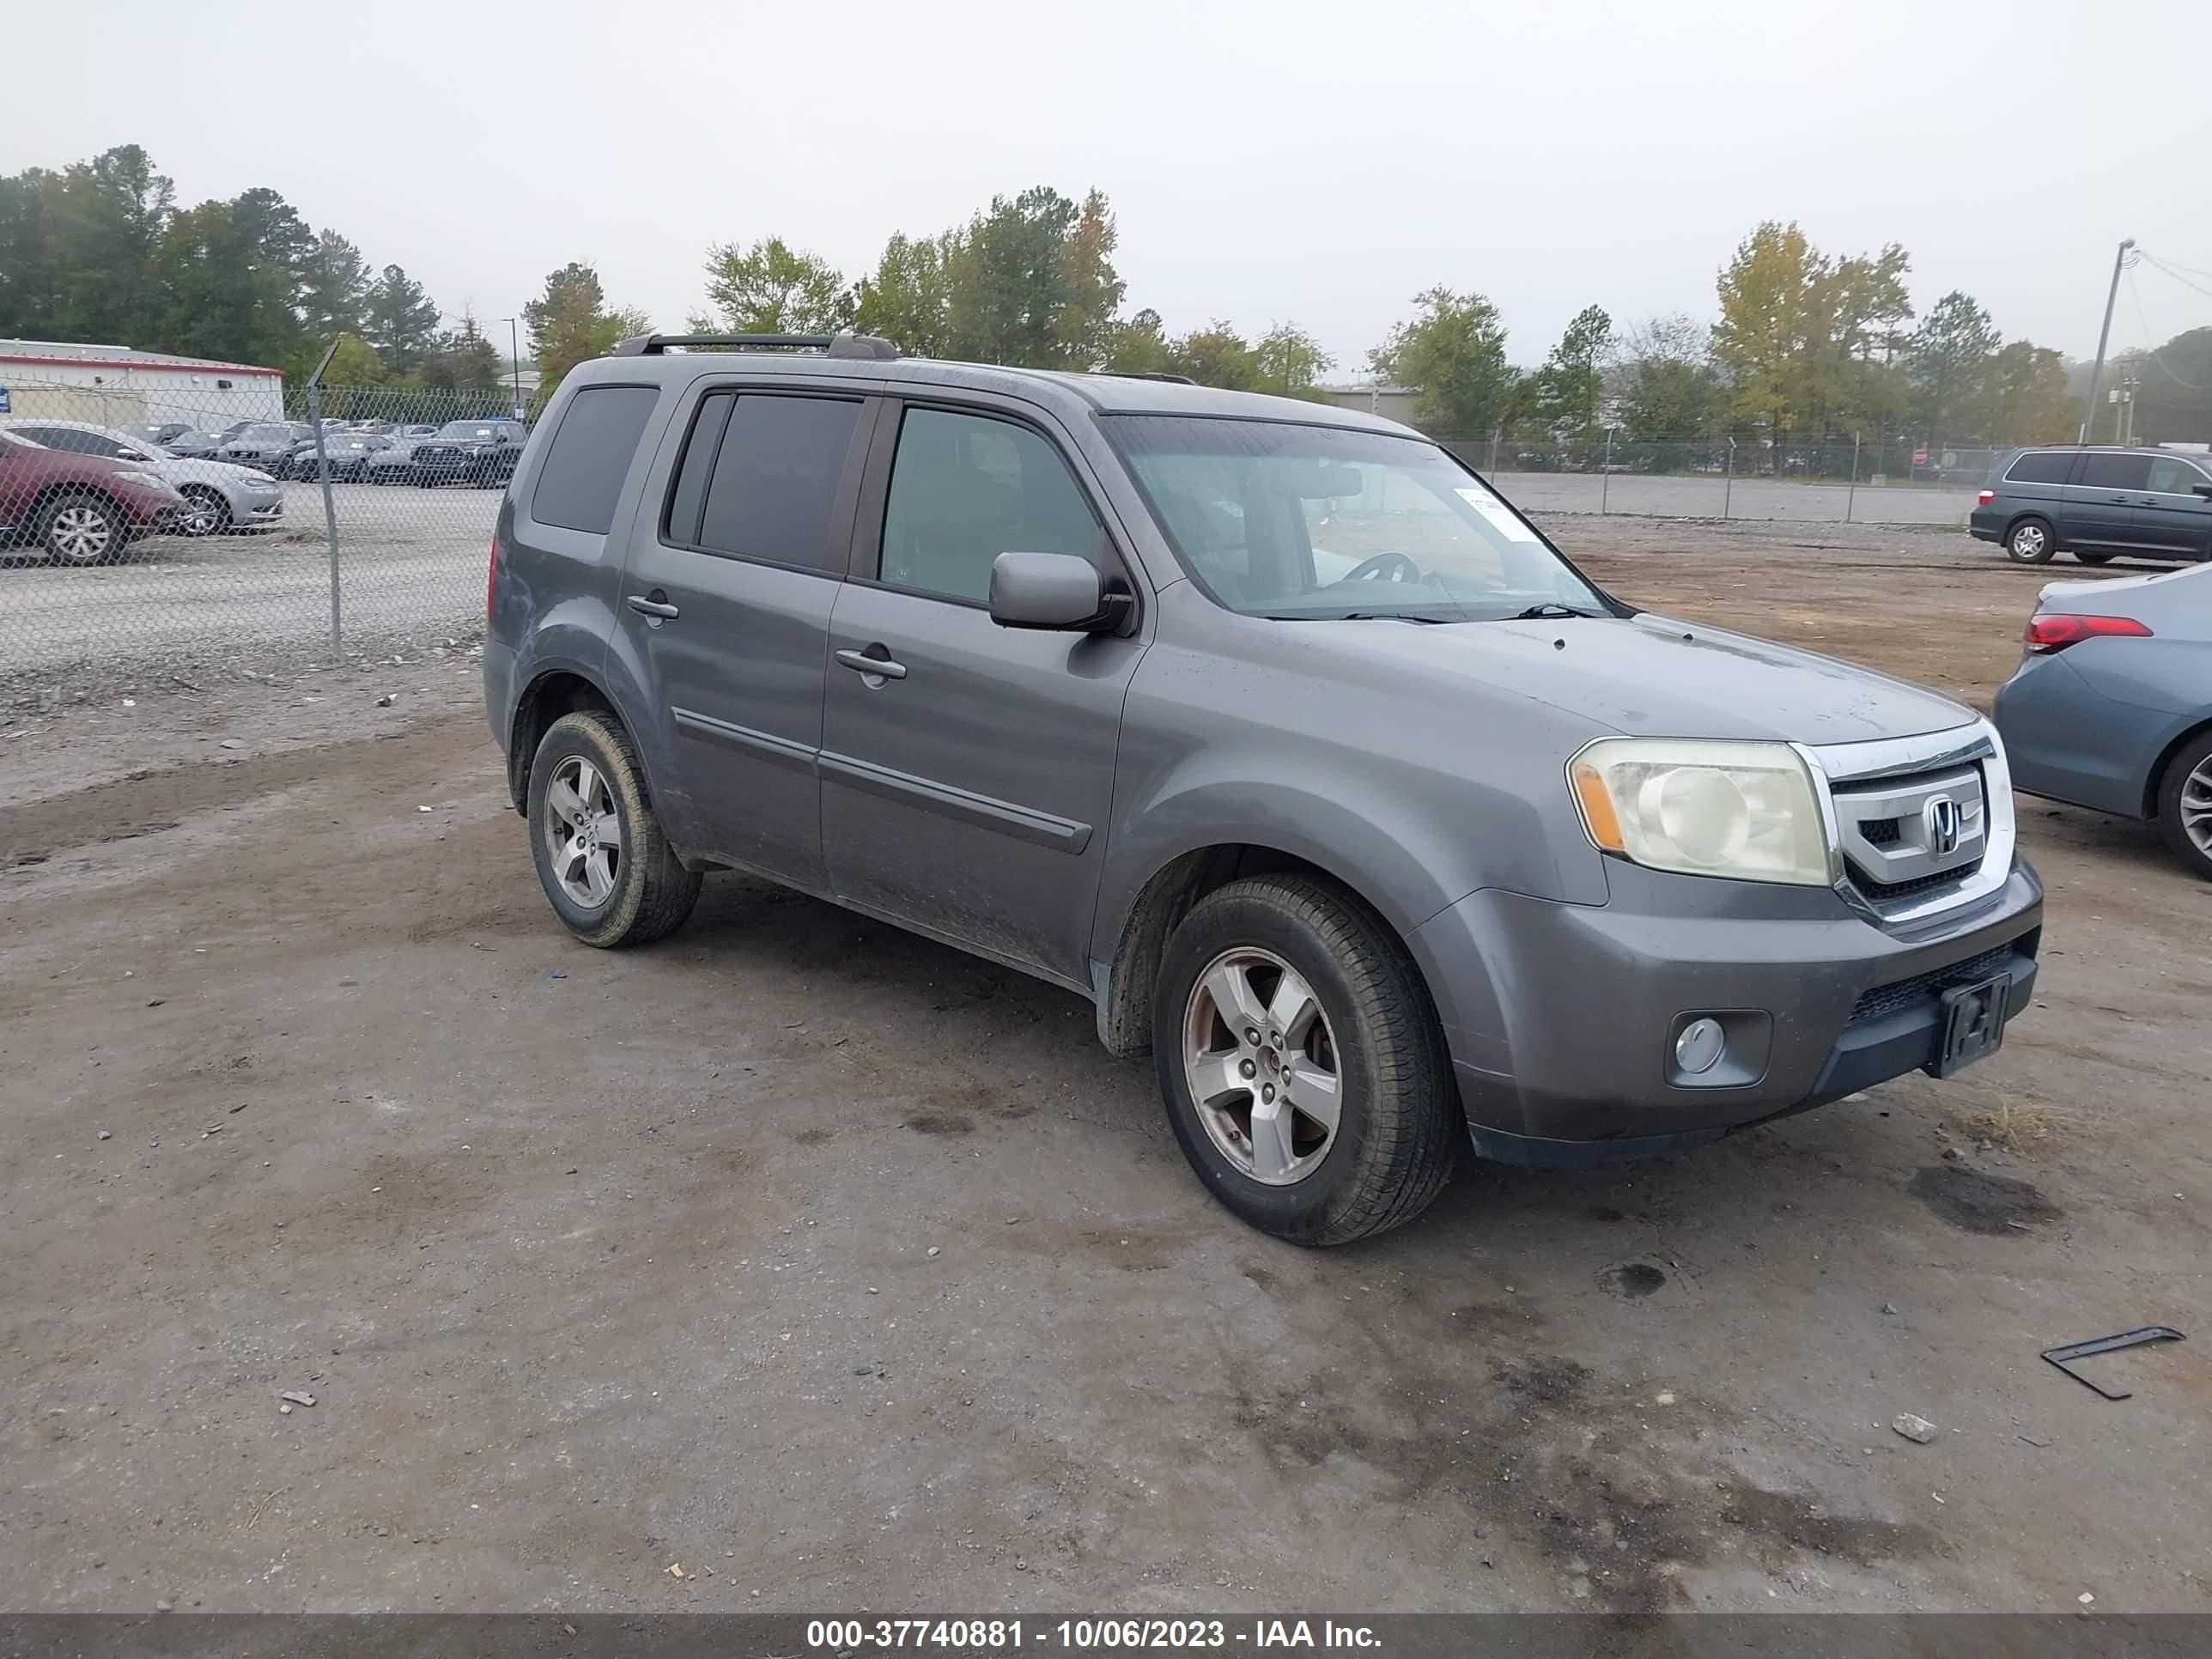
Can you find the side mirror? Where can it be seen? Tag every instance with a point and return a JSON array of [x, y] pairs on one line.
[[1057, 592], [2203, 489]]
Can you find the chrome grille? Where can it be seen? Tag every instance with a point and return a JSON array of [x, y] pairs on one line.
[[1919, 824]]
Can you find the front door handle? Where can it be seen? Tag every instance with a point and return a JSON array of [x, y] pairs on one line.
[[652, 605], [882, 667]]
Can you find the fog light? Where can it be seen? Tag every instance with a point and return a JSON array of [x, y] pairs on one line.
[[1699, 1047]]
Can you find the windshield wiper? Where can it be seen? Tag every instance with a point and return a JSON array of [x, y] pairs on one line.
[[1552, 608]]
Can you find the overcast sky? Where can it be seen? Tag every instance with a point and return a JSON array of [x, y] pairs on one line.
[[1295, 160]]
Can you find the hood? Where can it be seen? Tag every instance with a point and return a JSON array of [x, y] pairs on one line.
[[1649, 676], [183, 468]]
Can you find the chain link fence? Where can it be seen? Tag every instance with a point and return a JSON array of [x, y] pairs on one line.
[[164, 532], [1836, 480]]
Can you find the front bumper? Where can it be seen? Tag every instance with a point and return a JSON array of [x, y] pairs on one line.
[[1562, 1049]]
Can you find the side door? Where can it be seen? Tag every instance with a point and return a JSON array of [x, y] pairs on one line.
[[734, 565], [2101, 502], [2172, 517], [967, 768]]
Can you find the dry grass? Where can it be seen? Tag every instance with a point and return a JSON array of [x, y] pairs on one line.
[[2018, 1126]]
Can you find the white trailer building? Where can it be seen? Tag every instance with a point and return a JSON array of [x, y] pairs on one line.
[[114, 385]]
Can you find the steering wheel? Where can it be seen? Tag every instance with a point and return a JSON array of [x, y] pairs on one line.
[[1386, 567]]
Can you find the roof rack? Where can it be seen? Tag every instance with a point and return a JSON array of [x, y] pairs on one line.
[[1147, 375], [836, 345]]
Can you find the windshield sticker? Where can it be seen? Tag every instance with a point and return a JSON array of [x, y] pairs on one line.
[[1500, 515]]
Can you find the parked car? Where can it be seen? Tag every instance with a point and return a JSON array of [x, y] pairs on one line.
[[1451, 847], [192, 444], [260, 443], [348, 453], [2097, 502], [75, 508], [479, 452], [218, 496], [395, 463], [2110, 708]]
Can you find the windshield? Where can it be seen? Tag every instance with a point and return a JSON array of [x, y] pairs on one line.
[[1313, 522], [266, 435], [466, 430]]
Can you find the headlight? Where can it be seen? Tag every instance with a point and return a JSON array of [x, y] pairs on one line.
[[144, 480], [1742, 810]]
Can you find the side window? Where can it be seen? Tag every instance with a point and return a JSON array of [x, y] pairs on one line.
[[967, 488], [2042, 466], [2104, 469], [583, 471], [773, 488], [2173, 477]]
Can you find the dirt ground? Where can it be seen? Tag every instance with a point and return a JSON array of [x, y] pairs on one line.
[[842, 1270]]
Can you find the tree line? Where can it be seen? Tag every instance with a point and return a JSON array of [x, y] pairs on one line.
[[99, 251], [1805, 345]]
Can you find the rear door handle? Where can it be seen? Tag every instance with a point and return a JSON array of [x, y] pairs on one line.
[[882, 667], [651, 607]]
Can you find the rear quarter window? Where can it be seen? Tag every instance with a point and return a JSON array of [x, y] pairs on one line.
[[590, 455], [2049, 466]]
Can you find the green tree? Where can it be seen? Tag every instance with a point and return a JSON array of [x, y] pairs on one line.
[[2023, 397], [907, 300], [106, 218], [570, 323], [230, 280], [1452, 353], [333, 288], [1288, 362], [1010, 288], [1568, 387], [1216, 355], [400, 320], [1140, 346], [462, 360], [1093, 290], [1767, 326], [29, 284], [1664, 378], [772, 288], [1947, 362]]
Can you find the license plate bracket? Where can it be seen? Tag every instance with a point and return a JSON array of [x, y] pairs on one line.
[[1973, 1024]]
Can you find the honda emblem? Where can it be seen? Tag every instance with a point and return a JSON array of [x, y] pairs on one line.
[[1942, 819]]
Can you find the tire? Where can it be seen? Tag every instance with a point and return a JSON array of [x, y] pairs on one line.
[[2184, 805], [648, 893], [2031, 541], [209, 514], [2092, 558], [81, 529], [1398, 1126]]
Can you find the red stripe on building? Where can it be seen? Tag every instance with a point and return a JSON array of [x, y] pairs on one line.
[[134, 362]]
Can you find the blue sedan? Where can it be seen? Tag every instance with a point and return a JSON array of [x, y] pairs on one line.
[[2110, 708]]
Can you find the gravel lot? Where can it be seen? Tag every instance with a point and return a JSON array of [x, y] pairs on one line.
[[842, 1269], [1712, 496]]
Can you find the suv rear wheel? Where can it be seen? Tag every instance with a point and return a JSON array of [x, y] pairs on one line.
[[607, 870], [1301, 1068], [2032, 542], [2184, 805]]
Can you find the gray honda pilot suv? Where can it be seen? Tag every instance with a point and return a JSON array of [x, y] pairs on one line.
[[1268, 727]]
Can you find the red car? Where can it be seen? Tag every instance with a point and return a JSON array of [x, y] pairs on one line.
[[78, 509]]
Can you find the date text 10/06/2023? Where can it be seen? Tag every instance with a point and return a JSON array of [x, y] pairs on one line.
[[1085, 1635]]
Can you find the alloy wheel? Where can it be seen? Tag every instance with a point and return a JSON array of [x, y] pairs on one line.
[[80, 535], [1262, 1064], [583, 832], [2196, 807]]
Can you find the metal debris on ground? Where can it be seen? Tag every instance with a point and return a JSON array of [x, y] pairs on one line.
[[2134, 1339], [1917, 1428]]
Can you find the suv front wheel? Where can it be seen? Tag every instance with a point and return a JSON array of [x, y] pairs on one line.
[[610, 873], [1302, 1067]]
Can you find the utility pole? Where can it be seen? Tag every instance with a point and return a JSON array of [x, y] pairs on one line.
[[2127, 389], [515, 360], [2103, 335]]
